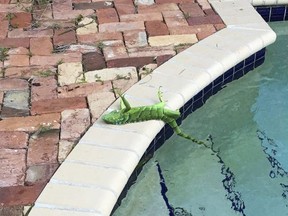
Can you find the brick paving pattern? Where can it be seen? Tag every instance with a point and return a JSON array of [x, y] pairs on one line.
[[59, 61]]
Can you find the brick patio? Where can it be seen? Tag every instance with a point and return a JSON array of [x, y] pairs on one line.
[[59, 61]]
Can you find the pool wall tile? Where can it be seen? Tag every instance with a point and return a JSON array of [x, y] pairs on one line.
[[95, 173]]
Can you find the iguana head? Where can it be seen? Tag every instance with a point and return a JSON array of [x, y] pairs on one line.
[[115, 117]]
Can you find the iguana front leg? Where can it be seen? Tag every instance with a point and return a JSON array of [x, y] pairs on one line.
[[160, 95], [124, 104]]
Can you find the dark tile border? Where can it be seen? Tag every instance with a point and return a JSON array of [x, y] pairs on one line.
[[273, 13]]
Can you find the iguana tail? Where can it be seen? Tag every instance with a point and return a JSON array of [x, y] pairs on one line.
[[178, 131]]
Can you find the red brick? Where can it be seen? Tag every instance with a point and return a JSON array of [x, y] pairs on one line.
[[200, 20], [122, 26], [13, 84], [162, 59], [71, 14], [191, 9], [209, 11], [130, 61], [40, 173], [20, 195], [20, 33], [57, 105], [141, 17], [27, 72], [43, 88], [14, 42], [128, 2], [81, 1], [174, 18], [190, 29], [93, 5], [125, 8], [43, 148], [205, 33], [94, 38], [107, 15], [173, 1], [219, 26], [14, 8], [13, 167], [4, 25], [115, 52], [83, 90], [64, 37], [1, 98], [214, 19], [55, 59], [156, 28], [42, 12], [21, 20], [74, 123], [204, 4], [4, 1], [151, 51], [41, 46], [17, 61], [30, 123], [13, 139], [93, 61], [157, 8], [13, 210], [18, 51]]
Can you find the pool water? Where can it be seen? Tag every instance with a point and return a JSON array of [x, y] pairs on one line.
[[246, 172]]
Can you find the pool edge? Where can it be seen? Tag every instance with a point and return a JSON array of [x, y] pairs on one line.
[[115, 156]]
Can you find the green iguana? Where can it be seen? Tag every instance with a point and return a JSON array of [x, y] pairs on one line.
[[126, 114]]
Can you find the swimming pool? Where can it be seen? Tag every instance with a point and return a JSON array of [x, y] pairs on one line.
[[247, 171]]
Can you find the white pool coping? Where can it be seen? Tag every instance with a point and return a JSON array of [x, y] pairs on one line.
[[90, 180]]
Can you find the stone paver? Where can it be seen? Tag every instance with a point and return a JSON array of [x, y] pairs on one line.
[[41, 46], [59, 63], [111, 74], [13, 139], [43, 88], [74, 123], [166, 40], [57, 105], [16, 103], [42, 148], [65, 147], [13, 166], [89, 26], [69, 73]]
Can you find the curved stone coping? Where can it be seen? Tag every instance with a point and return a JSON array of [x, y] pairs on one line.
[[92, 177]]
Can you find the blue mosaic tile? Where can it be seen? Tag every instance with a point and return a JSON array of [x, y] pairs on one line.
[[264, 12], [273, 13]]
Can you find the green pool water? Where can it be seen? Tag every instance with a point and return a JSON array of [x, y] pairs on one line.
[[247, 171]]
